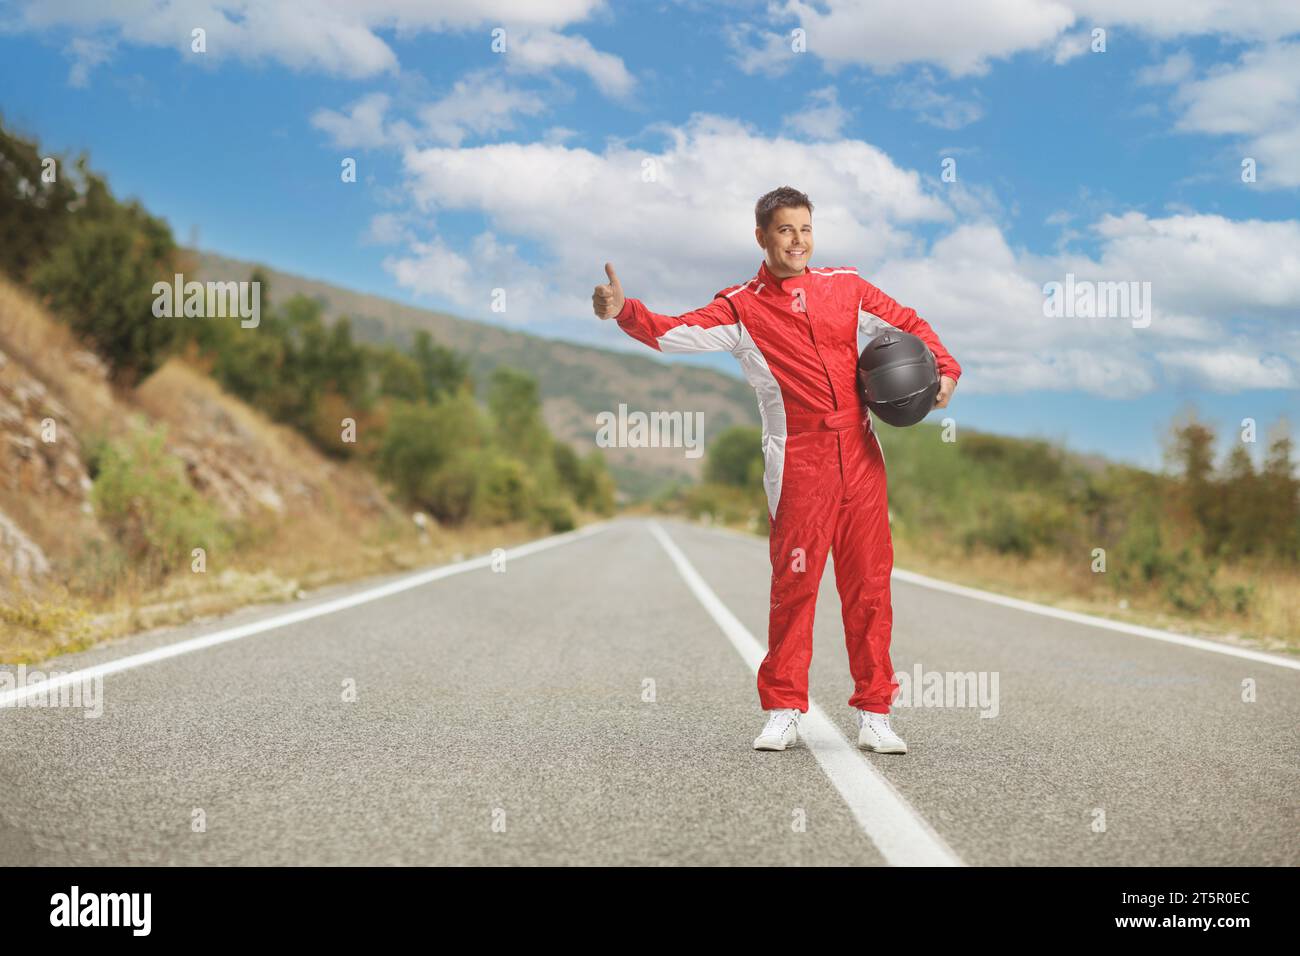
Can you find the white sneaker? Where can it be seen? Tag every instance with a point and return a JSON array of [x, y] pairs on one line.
[[874, 733], [781, 731]]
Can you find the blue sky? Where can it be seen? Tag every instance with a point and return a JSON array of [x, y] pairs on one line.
[[523, 169]]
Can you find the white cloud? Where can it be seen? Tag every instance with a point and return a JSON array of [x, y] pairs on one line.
[[362, 125], [1173, 69], [1097, 371], [1258, 99], [937, 109], [1071, 45], [964, 37], [1261, 91], [1207, 264], [490, 272], [479, 103], [1217, 285], [87, 53], [756, 51], [1230, 370], [688, 233], [1257, 20], [431, 268], [823, 118], [544, 50], [986, 301], [960, 37], [388, 229], [315, 34], [331, 36]]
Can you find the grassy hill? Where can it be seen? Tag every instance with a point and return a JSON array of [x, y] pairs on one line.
[[576, 382], [74, 566]]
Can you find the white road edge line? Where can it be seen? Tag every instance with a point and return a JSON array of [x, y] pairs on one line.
[[10, 697], [889, 821], [1078, 618], [1186, 640]]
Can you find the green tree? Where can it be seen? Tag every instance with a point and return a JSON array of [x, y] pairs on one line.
[[585, 479], [1280, 490], [443, 371], [517, 411], [568, 467], [100, 280], [1242, 499], [1193, 452], [506, 490], [596, 487], [399, 375], [344, 365], [736, 457], [422, 439], [34, 214]]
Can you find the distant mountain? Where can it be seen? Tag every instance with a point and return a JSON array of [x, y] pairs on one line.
[[576, 382]]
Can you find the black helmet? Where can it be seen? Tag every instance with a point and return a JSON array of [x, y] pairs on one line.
[[898, 378]]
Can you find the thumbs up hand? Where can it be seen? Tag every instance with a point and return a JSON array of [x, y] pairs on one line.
[[607, 300]]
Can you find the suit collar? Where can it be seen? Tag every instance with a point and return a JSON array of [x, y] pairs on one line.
[[769, 281]]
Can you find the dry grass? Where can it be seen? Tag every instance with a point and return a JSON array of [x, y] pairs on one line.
[[1051, 580], [185, 399], [1272, 624], [45, 347], [81, 403]]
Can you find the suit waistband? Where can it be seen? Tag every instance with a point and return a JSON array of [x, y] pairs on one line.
[[838, 420]]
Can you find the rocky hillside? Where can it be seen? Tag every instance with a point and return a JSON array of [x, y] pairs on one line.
[[57, 407]]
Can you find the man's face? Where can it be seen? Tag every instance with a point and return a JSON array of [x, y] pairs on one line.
[[787, 241]]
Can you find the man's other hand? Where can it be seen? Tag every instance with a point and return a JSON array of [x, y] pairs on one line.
[[946, 385]]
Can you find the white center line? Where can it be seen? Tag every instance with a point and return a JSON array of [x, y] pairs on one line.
[[1077, 617], [889, 821]]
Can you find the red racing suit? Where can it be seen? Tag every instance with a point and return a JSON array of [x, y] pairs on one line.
[[796, 340]]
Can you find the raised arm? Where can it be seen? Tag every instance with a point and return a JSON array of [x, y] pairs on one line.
[[712, 328], [878, 304]]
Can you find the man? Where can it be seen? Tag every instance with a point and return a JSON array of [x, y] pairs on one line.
[[794, 331]]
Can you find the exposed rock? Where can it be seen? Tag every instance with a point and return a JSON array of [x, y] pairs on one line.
[[30, 464], [88, 363], [246, 467], [19, 554]]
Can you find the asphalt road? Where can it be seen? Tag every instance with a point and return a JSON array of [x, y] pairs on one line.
[[594, 703]]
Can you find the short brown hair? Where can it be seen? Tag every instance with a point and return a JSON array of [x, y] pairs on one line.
[[784, 197]]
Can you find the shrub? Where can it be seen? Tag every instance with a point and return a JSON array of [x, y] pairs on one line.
[[143, 497], [557, 513], [100, 281], [736, 457], [504, 490], [448, 493], [585, 479], [422, 439]]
